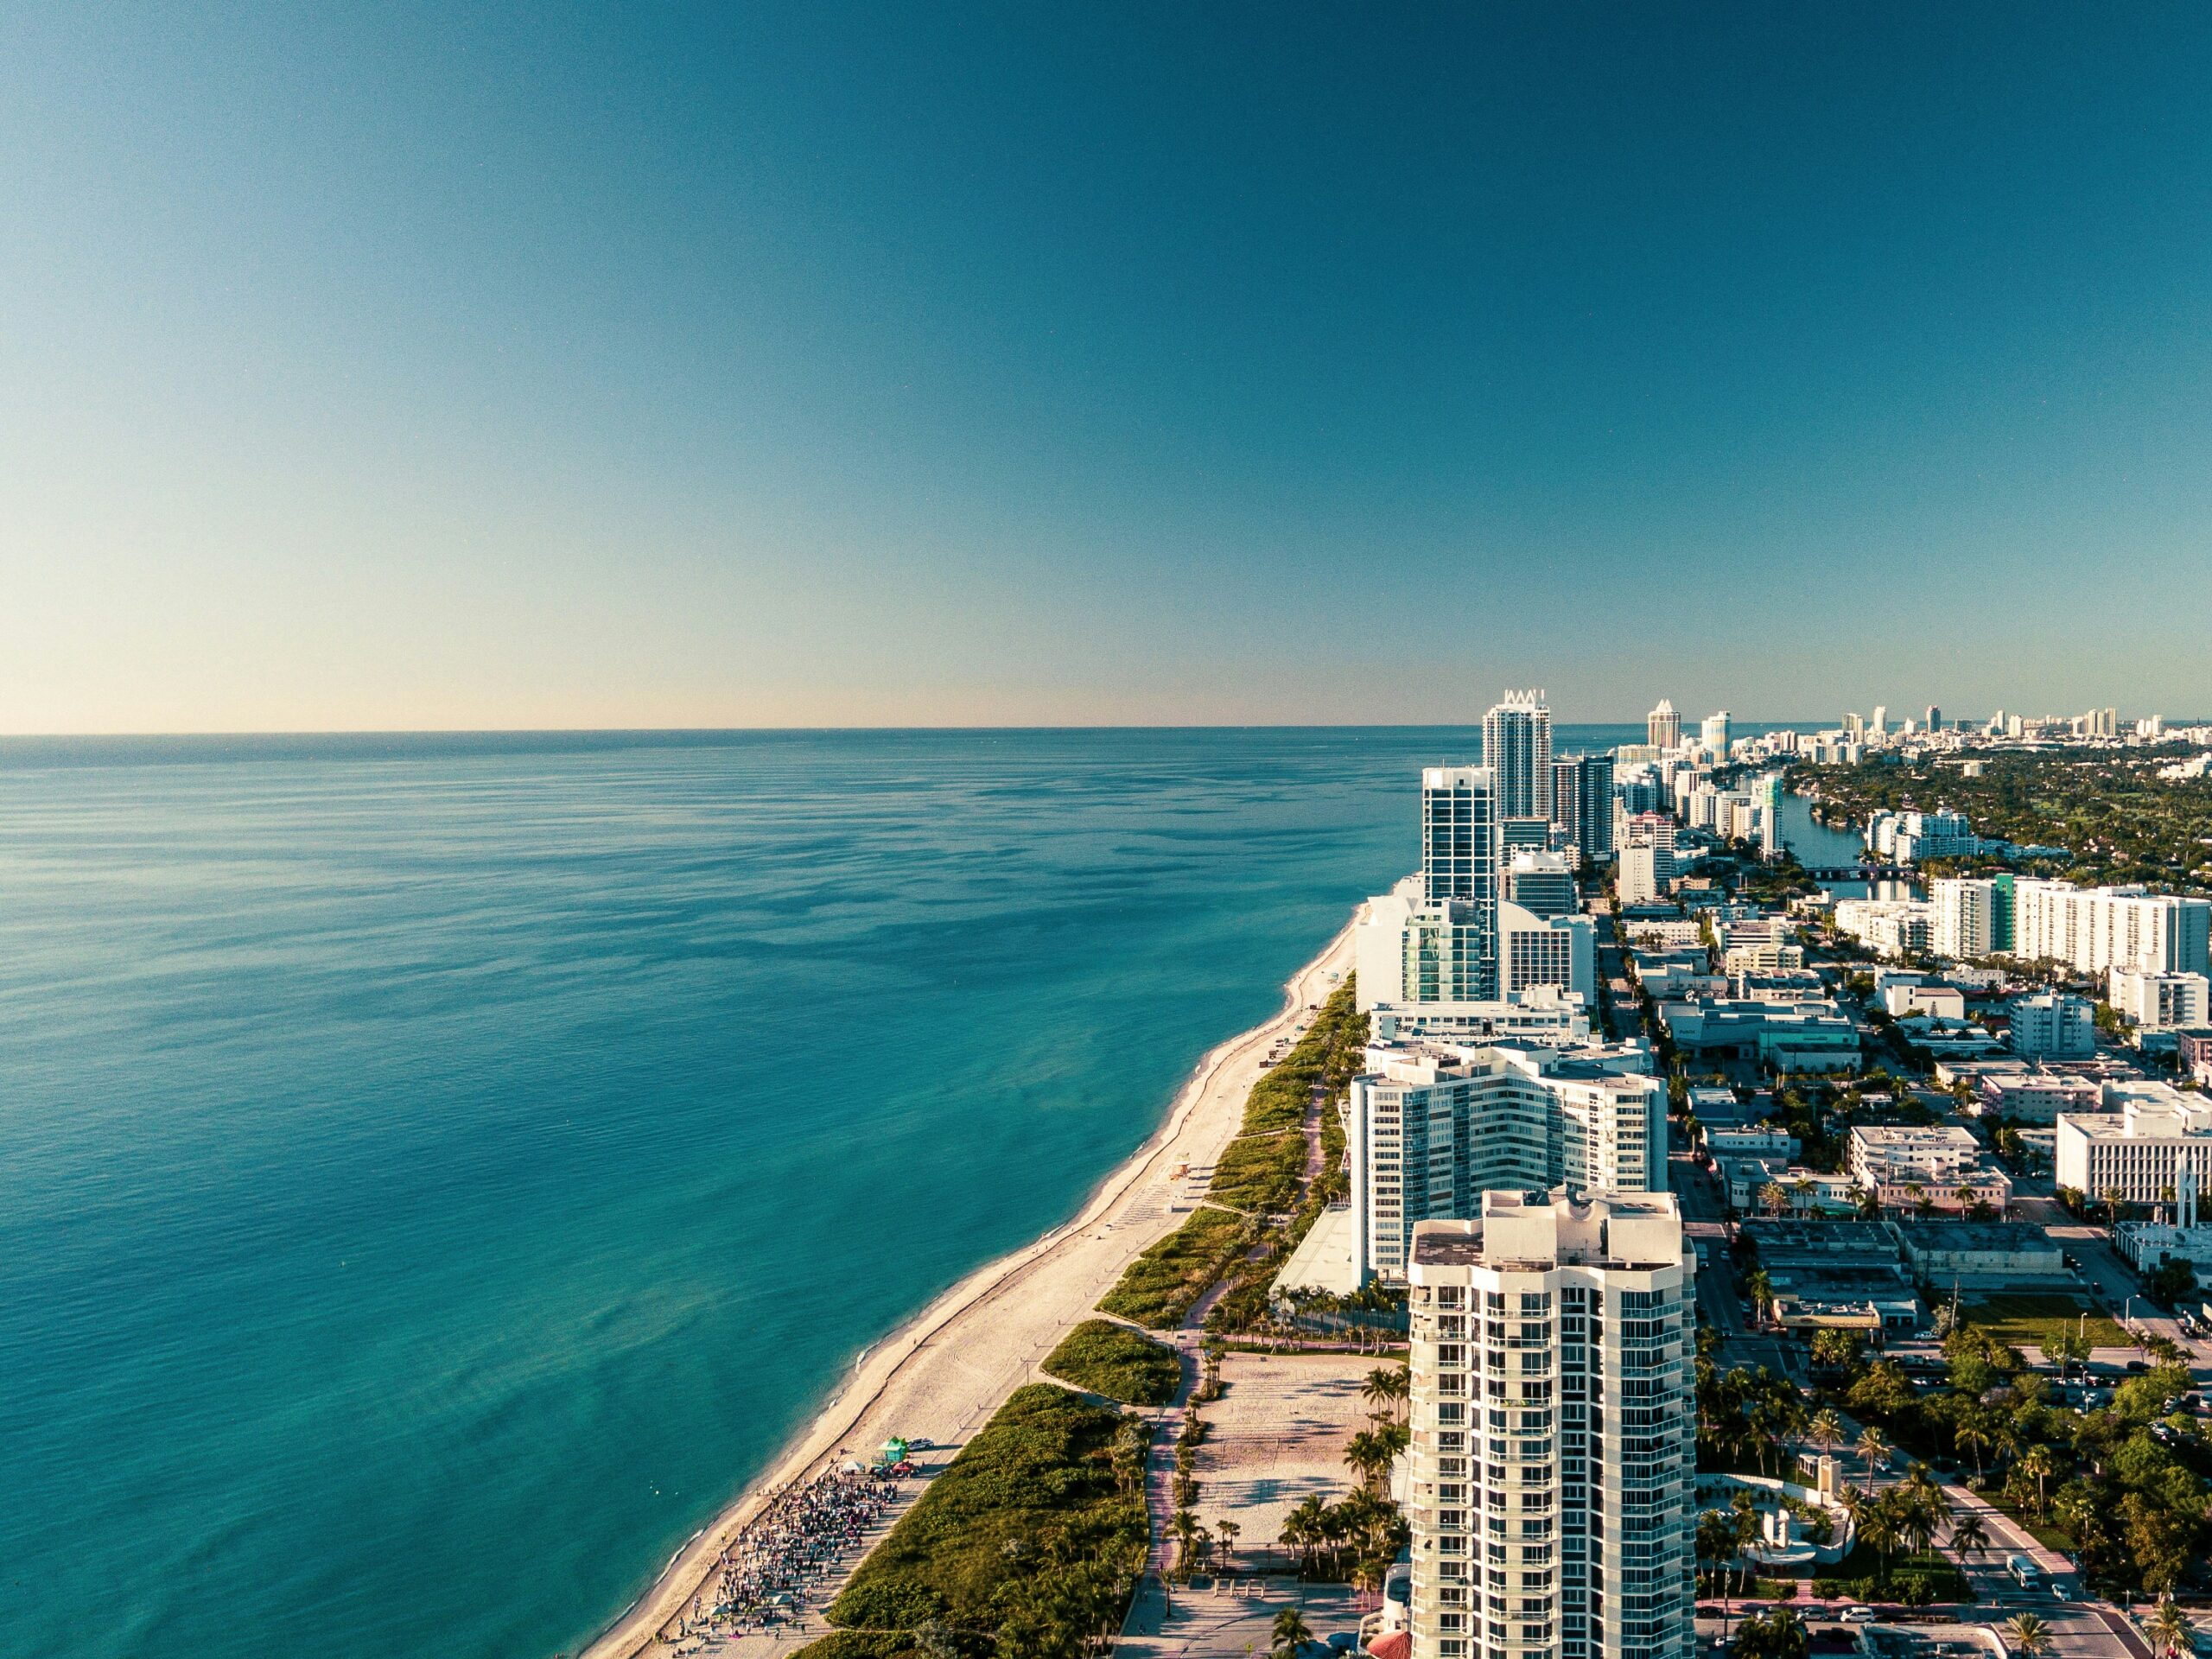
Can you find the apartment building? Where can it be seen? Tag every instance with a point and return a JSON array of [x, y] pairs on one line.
[[1552, 1492], [1904, 1163], [2094, 928], [2139, 1151], [1429, 1127]]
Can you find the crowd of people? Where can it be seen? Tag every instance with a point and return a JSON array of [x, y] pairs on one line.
[[797, 1541]]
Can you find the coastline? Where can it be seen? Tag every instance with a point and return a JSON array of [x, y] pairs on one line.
[[946, 1370]]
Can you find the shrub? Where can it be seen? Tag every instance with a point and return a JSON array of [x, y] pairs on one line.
[[1121, 1363], [1160, 1286]]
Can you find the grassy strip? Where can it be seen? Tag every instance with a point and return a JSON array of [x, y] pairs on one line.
[[1121, 1363], [1037, 1527], [1160, 1286], [1261, 1173], [2025, 1320]]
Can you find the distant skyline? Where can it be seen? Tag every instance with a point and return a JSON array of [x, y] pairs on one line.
[[402, 366]]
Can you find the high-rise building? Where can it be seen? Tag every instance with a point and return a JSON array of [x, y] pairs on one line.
[[2092, 928], [1934, 718], [1518, 751], [1766, 797], [1541, 883], [1879, 725], [1554, 1486], [1582, 803], [1430, 1126], [1535, 951], [1663, 726], [1714, 734], [1963, 926], [1458, 830]]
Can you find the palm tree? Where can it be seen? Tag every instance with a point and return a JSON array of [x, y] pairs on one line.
[[1773, 1199], [1379, 1392], [2037, 1461], [1875, 1449], [1184, 1526], [1965, 1196], [1292, 1632], [1826, 1430], [1880, 1524], [2172, 1632], [1973, 1431], [1369, 1456], [2030, 1637], [1760, 1289], [1228, 1529], [1968, 1536]]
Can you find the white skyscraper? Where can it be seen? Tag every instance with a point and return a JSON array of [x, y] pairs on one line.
[[1430, 1126], [1553, 1497], [1964, 926], [1714, 733], [1663, 726], [1518, 751]]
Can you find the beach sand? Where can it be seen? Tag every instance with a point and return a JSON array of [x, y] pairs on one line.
[[947, 1370]]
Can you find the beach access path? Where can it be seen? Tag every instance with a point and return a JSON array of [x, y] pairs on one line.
[[944, 1373]]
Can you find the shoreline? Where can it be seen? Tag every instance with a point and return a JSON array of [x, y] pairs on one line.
[[943, 1372]]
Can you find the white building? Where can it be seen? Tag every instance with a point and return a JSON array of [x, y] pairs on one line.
[[2094, 928], [1963, 922], [1912, 837], [1663, 726], [1534, 949], [2054, 1026], [1517, 753], [1429, 1127], [1888, 927], [1902, 1164], [1904, 1001], [1714, 734], [2160, 1002], [1647, 873], [1543, 1015], [1553, 1483], [2138, 1151], [1442, 951]]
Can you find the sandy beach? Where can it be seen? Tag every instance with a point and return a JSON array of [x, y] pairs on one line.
[[944, 1373]]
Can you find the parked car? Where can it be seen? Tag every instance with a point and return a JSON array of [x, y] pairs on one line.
[[1857, 1615]]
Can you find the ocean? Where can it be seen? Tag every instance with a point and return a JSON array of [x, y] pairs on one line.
[[436, 1172]]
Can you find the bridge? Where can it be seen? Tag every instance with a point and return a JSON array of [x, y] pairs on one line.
[[1860, 871]]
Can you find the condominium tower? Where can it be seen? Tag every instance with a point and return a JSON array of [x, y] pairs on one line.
[[1663, 726], [1430, 1126], [2098, 928], [1459, 818], [1517, 751], [1553, 1500], [1582, 803]]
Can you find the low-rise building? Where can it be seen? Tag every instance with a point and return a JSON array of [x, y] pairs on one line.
[[1944, 1253], [2034, 1097], [1906, 1165], [1808, 1036], [2140, 1152], [2054, 1026], [1846, 1275], [1925, 1000], [1761, 1140]]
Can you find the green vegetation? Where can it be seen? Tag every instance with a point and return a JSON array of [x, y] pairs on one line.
[[1264, 1166], [1028, 1544], [2027, 1319], [1162, 1286], [2122, 1485], [1121, 1363], [2121, 821]]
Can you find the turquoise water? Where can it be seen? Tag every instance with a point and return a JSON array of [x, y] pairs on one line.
[[435, 1173]]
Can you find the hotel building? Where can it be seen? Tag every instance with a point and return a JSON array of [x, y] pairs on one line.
[[1518, 753]]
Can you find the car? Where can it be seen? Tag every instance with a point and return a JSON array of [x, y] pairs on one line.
[[2137, 1365], [2059, 1591], [1857, 1615]]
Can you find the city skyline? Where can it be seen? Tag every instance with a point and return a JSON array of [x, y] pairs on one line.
[[841, 366]]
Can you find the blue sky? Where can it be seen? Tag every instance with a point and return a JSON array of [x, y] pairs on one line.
[[410, 366]]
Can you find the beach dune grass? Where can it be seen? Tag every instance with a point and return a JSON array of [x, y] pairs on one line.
[[1162, 1286], [1121, 1363], [1032, 1510], [1263, 1168], [2026, 1319], [1259, 1173]]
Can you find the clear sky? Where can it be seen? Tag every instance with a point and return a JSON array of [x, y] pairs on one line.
[[377, 365]]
